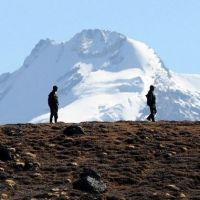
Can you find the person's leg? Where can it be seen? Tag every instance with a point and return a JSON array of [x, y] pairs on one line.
[[149, 117], [51, 115], [152, 114], [55, 114]]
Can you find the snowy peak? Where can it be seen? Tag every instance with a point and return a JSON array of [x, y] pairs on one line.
[[97, 42], [101, 75]]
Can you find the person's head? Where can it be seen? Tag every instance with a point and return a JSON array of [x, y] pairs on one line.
[[152, 87], [55, 88]]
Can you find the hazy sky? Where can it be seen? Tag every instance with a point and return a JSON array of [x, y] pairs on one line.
[[171, 27]]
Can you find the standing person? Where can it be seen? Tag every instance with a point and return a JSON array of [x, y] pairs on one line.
[[151, 102], [53, 104]]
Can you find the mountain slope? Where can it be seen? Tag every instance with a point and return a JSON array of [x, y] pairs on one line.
[[136, 160], [101, 75]]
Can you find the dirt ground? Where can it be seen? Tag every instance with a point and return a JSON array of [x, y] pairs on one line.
[[136, 160]]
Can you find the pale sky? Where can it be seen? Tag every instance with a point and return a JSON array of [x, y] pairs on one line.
[[171, 27]]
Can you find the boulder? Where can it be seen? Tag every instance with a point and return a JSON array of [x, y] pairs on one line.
[[5, 154], [73, 130], [90, 181]]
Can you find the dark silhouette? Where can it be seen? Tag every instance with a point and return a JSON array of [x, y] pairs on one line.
[[151, 102], [53, 104]]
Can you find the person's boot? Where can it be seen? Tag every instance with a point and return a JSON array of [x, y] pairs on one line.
[[148, 118]]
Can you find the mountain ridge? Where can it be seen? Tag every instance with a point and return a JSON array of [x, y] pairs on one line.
[[103, 73]]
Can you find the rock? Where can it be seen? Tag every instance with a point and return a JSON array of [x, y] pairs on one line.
[[173, 153], [3, 175], [52, 145], [75, 164], [130, 147], [31, 165], [11, 183], [19, 164], [11, 132], [114, 198], [55, 189], [167, 195], [31, 155], [184, 149], [73, 130], [89, 172], [89, 181], [4, 196], [12, 150], [168, 155], [69, 180], [37, 175], [182, 195], [2, 169], [5, 154], [173, 187], [161, 146]]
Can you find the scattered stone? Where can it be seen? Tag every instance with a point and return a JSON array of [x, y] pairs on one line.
[[12, 150], [37, 175], [73, 130], [30, 155], [19, 164], [155, 194], [89, 181], [69, 180], [173, 153], [10, 132], [168, 155], [55, 189], [182, 195], [2, 169], [4, 196], [32, 165], [11, 183], [184, 149], [131, 147], [54, 194], [51, 145], [173, 187], [5, 154], [75, 164], [3, 175], [114, 198], [161, 146], [169, 195]]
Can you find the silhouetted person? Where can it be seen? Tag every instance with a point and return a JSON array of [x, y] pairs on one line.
[[53, 104], [151, 102]]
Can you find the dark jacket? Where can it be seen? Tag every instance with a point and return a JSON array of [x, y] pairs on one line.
[[53, 99], [151, 98]]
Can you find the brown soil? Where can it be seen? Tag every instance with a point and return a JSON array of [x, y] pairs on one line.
[[136, 160]]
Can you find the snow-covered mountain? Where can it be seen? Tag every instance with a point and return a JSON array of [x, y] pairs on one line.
[[101, 75]]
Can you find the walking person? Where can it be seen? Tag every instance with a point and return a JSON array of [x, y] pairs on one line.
[[53, 104], [151, 102]]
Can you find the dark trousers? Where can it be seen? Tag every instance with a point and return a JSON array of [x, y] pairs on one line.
[[153, 111], [53, 113]]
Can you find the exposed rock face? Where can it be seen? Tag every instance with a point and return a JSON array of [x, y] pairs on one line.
[[110, 161]]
